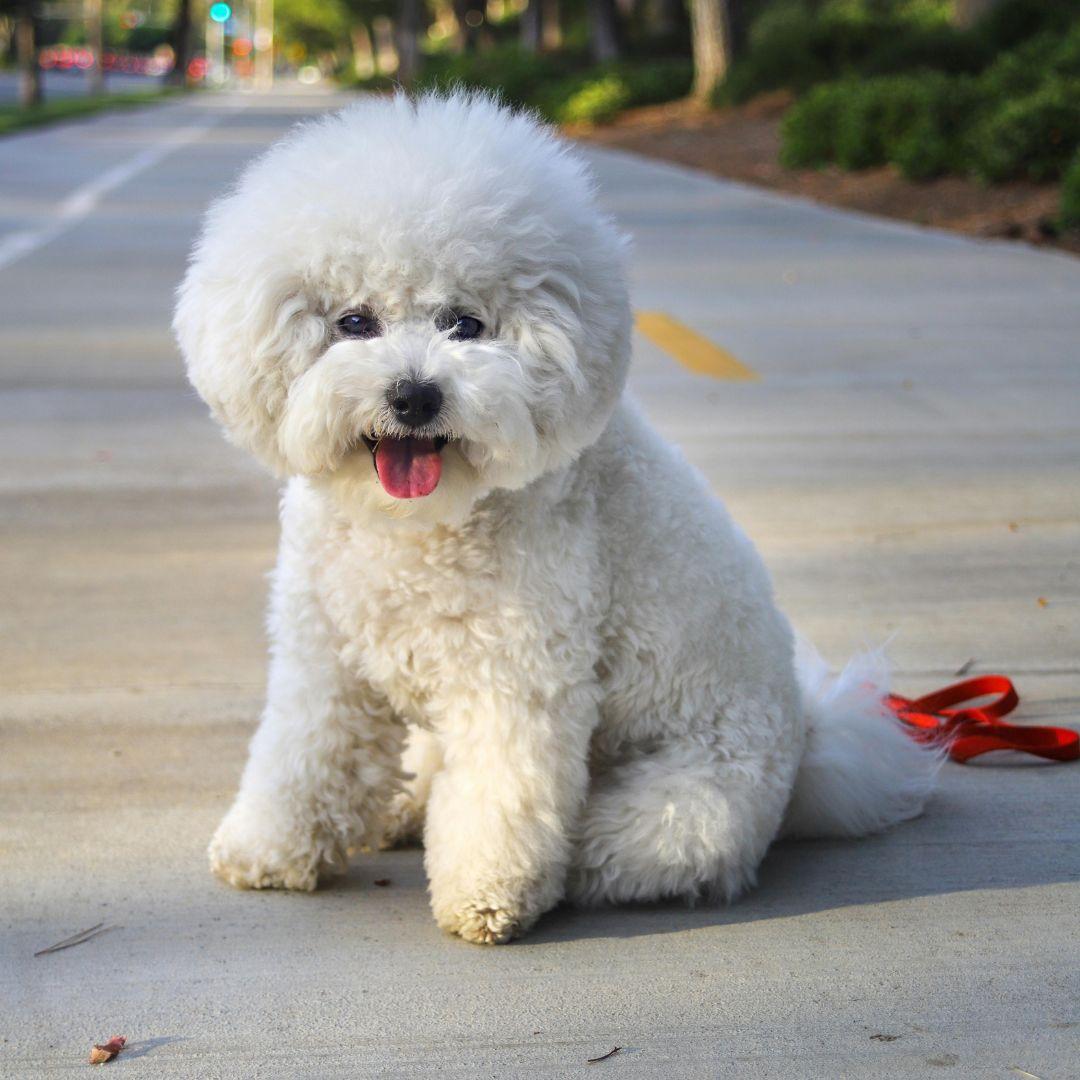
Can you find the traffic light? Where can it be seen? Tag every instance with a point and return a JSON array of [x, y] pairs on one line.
[[220, 12]]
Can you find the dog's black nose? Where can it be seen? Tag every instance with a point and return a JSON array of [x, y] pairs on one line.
[[414, 403]]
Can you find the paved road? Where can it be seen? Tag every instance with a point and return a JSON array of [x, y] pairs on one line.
[[65, 84], [908, 461]]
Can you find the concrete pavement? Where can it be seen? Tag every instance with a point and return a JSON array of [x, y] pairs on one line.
[[66, 84], [908, 462]]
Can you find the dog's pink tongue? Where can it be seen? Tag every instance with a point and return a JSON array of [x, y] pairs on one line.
[[408, 468]]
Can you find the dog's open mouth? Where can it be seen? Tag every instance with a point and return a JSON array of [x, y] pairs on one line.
[[408, 468]]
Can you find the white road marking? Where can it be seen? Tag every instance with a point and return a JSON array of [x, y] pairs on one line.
[[82, 201]]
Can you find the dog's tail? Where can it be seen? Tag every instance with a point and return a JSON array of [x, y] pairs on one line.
[[860, 772]]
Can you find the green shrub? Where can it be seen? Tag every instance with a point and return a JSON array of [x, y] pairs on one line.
[[808, 128], [784, 49], [562, 86], [517, 75], [933, 139], [923, 152], [597, 102], [1034, 136], [656, 81], [1069, 214], [1023, 70], [795, 45], [874, 115], [901, 49], [1011, 22], [916, 121]]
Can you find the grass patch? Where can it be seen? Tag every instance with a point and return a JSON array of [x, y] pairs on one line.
[[15, 118]]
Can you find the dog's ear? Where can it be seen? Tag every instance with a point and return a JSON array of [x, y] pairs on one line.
[[245, 333], [574, 333]]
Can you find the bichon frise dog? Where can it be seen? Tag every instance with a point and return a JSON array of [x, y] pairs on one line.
[[505, 614]]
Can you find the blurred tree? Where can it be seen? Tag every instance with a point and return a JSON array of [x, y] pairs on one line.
[[532, 26], [551, 36], [604, 44], [180, 40], [966, 13], [541, 25], [95, 38], [665, 17], [26, 35], [711, 26], [469, 18], [409, 28], [320, 28], [738, 18], [364, 18]]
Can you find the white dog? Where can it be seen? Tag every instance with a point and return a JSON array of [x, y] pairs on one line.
[[416, 313]]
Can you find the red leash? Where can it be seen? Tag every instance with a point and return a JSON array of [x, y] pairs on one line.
[[971, 731]]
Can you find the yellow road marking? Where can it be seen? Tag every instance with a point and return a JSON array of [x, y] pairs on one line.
[[690, 348]]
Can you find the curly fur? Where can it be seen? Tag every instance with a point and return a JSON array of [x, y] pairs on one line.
[[580, 649]]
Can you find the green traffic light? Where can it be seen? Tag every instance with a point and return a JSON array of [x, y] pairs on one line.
[[220, 12]]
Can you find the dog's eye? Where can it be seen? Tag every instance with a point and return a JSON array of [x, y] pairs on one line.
[[466, 328], [461, 327], [359, 324]]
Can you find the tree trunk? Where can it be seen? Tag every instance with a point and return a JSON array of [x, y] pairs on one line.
[[551, 33], [408, 41], [95, 40], [966, 13], [532, 29], [26, 46], [712, 46], [263, 41], [603, 31], [738, 28], [180, 39], [665, 17], [467, 34], [364, 63]]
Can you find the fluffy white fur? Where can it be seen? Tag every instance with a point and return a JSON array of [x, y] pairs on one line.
[[598, 692]]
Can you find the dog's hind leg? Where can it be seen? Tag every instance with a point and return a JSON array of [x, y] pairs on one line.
[[687, 820]]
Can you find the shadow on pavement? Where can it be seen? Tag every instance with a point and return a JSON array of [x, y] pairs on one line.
[[935, 856], [988, 828], [146, 1046]]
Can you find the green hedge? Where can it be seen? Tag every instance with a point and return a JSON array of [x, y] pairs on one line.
[[1032, 137], [1069, 217], [597, 102], [599, 98], [796, 45], [520, 77], [562, 86], [799, 44], [1019, 119]]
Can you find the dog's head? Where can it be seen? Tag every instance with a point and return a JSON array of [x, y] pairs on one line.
[[414, 302]]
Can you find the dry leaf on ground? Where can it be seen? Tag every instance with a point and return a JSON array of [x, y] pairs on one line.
[[103, 1052]]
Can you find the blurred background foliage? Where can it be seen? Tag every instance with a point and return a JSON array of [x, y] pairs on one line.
[[986, 89]]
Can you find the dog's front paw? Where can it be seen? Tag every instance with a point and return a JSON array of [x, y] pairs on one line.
[[491, 914], [483, 924], [255, 849]]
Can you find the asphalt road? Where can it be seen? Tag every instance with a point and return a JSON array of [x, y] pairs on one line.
[[65, 84], [909, 462]]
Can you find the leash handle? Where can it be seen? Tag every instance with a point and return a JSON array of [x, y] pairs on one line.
[[973, 730]]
